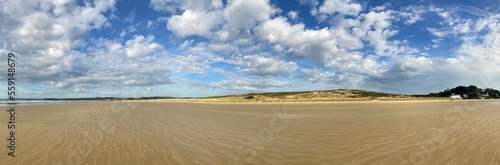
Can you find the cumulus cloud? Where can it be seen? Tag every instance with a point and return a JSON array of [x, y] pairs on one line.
[[474, 62], [250, 45], [109, 63], [191, 63], [413, 14], [317, 76], [44, 34], [322, 46], [338, 79], [299, 42], [293, 15], [263, 66], [380, 22], [46, 37], [249, 84], [172, 6], [194, 23], [141, 46], [45, 24], [150, 24], [131, 16], [344, 7], [483, 56], [242, 14]]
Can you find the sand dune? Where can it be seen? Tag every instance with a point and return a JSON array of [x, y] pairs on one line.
[[421, 132]]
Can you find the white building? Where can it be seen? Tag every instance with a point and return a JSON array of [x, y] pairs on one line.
[[455, 96], [485, 95]]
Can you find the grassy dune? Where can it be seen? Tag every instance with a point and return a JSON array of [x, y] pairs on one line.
[[311, 96]]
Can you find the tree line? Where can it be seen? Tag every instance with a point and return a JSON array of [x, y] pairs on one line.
[[470, 92]]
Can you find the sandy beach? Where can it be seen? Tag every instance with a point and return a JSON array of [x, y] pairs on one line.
[[409, 132]]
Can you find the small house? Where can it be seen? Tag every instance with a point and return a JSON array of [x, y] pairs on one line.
[[485, 95], [455, 96]]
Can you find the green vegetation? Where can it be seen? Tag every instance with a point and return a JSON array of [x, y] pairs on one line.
[[372, 94], [327, 95], [249, 97], [470, 92]]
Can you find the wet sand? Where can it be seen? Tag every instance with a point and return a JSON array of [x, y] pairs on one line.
[[413, 132]]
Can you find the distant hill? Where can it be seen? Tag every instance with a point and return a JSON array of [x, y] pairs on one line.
[[471, 92], [326, 95]]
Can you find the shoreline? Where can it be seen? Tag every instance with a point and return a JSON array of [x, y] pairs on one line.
[[301, 101], [28, 103], [242, 102]]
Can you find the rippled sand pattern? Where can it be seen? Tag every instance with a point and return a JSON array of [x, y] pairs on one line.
[[423, 132]]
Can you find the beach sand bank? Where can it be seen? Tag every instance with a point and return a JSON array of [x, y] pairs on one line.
[[412, 132]]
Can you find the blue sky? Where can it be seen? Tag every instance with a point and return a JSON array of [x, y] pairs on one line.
[[127, 48]]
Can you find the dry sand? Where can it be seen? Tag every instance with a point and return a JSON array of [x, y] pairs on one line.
[[419, 132]]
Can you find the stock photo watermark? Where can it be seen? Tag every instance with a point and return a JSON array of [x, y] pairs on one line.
[[93, 138], [11, 104], [454, 117], [248, 150]]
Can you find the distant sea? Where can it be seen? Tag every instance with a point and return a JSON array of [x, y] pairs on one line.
[[44, 102]]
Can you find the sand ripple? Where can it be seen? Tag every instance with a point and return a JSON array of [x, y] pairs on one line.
[[460, 132]]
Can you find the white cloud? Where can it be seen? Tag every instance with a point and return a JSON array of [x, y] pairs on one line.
[[243, 14], [413, 63], [449, 17], [413, 14], [293, 15], [130, 29], [140, 46], [198, 17], [344, 7], [483, 56], [44, 34], [380, 8], [186, 44], [34, 27], [310, 2], [339, 79], [474, 61], [264, 66], [437, 32], [195, 58], [472, 10], [248, 46], [380, 22], [123, 33], [322, 47], [298, 40], [463, 27], [173, 6], [131, 16], [249, 84], [224, 23], [194, 23], [105, 64], [150, 24], [223, 48], [278, 30], [191, 63], [317, 76]]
